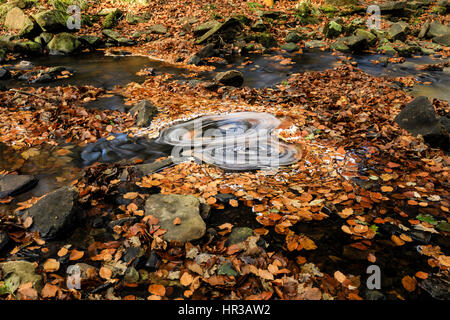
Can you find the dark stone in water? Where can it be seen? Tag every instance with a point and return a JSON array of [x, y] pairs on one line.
[[145, 111], [149, 168], [230, 78], [55, 213], [11, 185], [419, 117]]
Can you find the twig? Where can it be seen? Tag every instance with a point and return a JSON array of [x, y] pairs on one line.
[[35, 95]]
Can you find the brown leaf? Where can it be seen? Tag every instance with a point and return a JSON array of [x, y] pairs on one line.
[[49, 291], [409, 283], [186, 279], [51, 265], [76, 255]]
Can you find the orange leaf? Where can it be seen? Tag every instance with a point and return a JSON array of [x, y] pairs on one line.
[[157, 289], [186, 279], [409, 283], [76, 255]]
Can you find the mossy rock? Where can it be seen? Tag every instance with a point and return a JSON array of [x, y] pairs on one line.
[[64, 43], [293, 37], [290, 47], [51, 20], [333, 29], [111, 19], [17, 20], [28, 47], [387, 49]]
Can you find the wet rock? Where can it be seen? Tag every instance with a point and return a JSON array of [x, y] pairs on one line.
[[332, 29], [51, 20], [398, 31], [419, 117], [134, 19], [158, 29], [149, 168], [356, 43], [230, 78], [227, 269], [4, 74], [111, 19], [437, 29], [424, 30], [290, 47], [144, 111], [4, 239], [239, 234], [195, 60], [131, 254], [395, 8], [17, 273], [17, 20], [44, 38], [437, 286], [64, 43], [55, 213], [168, 207], [293, 37], [11, 185]]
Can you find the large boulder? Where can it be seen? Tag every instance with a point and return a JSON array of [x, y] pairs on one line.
[[167, 208], [111, 19], [157, 29], [144, 111], [332, 29], [17, 20], [11, 184], [437, 29], [230, 78], [55, 213], [420, 118], [64, 43], [371, 39], [16, 273], [51, 20], [443, 39], [116, 37]]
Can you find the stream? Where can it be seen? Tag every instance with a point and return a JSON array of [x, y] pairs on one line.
[[211, 143]]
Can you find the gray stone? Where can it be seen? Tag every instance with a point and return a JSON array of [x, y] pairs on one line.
[[205, 27], [17, 20], [116, 37], [398, 31], [239, 234], [51, 20], [144, 111], [64, 43], [373, 295], [424, 30], [340, 45], [443, 39], [437, 29], [230, 78], [54, 214], [149, 168], [17, 273], [227, 30], [167, 207], [91, 41], [158, 29], [290, 47], [387, 49], [312, 44], [437, 286], [11, 184]]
